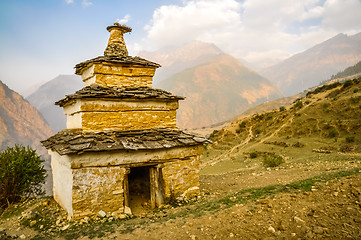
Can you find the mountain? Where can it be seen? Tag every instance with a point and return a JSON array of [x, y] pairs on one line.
[[47, 94], [20, 122], [178, 59], [319, 129], [217, 90], [307, 69], [352, 71]]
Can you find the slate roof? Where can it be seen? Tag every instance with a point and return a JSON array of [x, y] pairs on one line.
[[127, 60], [77, 141], [96, 91]]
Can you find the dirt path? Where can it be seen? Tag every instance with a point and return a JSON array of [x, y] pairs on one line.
[[227, 154]]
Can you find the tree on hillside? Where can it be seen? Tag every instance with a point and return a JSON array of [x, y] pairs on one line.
[[21, 174]]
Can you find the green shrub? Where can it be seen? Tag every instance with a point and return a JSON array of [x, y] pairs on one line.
[[272, 160], [213, 133], [242, 124], [282, 109], [333, 133], [253, 155], [298, 105], [347, 84], [350, 139], [334, 93], [355, 100], [21, 174]]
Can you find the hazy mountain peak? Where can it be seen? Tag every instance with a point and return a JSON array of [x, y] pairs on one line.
[[217, 90], [177, 59], [20, 123], [191, 51], [307, 69], [50, 92]]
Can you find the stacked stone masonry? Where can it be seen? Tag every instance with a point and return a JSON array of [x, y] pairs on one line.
[[116, 75], [121, 115], [121, 134]]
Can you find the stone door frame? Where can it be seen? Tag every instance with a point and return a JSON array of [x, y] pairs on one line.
[[156, 186]]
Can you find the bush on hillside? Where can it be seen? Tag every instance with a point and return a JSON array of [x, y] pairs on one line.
[[350, 139], [332, 133], [253, 155], [21, 174], [272, 160]]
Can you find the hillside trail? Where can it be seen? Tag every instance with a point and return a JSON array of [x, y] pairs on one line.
[[289, 121], [248, 139], [227, 154]]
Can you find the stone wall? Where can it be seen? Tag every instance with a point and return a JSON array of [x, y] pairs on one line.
[[122, 115], [111, 75], [98, 188], [87, 183], [62, 181], [181, 178], [132, 120]]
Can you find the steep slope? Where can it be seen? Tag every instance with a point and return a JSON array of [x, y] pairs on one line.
[[327, 121], [347, 74], [47, 94], [307, 69], [20, 122], [181, 58], [217, 90]]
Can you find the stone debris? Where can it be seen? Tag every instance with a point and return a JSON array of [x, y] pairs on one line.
[[102, 214], [96, 91], [74, 141], [127, 211], [271, 229], [321, 151]]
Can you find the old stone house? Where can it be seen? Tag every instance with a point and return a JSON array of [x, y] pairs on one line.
[[122, 147]]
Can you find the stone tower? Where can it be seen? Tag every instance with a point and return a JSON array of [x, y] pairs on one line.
[[121, 147]]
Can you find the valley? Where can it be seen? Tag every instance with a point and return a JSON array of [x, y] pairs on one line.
[[314, 192]]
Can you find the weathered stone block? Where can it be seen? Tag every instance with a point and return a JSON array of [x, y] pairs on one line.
[[93, 189], [128, 120], [181, 178], [109, 75]]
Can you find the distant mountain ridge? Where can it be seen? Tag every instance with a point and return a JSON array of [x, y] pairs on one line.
[[47, 94], [307, 69], [179, 59], [20, 122], [217, 90]]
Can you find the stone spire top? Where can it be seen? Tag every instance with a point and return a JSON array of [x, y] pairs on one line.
[[116, 45]]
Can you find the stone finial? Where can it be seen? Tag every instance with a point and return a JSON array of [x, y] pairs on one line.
[[116, 45]]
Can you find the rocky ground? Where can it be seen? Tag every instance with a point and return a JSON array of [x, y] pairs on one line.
[[321, 206]]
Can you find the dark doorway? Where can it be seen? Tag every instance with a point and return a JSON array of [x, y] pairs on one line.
[[139, 189]]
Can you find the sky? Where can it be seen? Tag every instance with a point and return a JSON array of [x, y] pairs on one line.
[[40, 39]]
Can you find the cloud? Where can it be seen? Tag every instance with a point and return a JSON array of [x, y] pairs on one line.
[[342, 14], [253, 29], [86, 3], [124, 20]]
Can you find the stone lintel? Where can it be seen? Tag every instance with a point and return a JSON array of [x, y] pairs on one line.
[[129, 159]]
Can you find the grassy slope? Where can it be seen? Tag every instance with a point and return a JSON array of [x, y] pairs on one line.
[[318, 121]]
